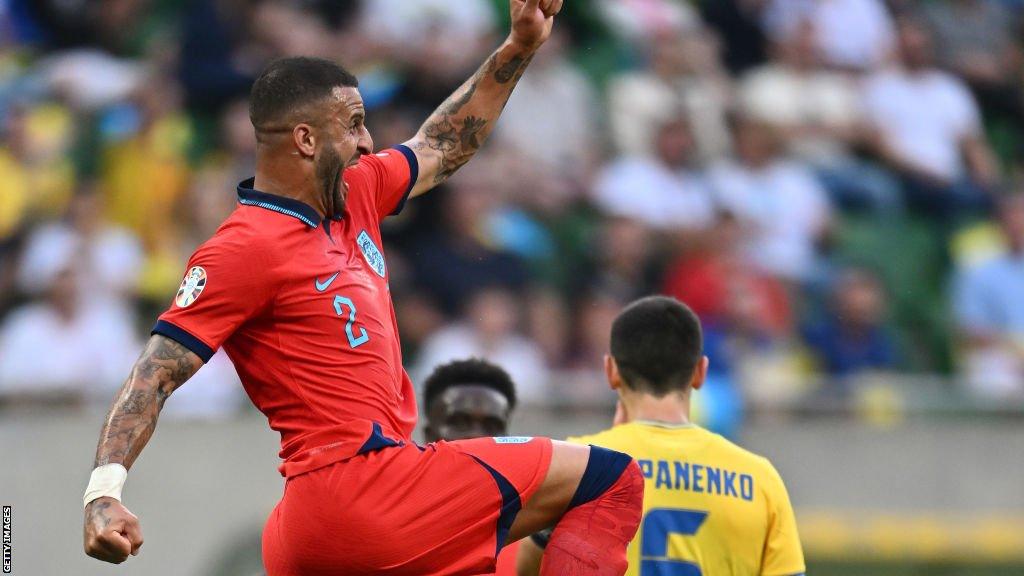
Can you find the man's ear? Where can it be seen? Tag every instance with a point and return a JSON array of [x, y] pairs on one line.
[[304, 140], [611, 372], [700, 373]]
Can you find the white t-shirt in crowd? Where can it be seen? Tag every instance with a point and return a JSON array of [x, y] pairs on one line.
[[552, 116], [784, 208], [90, 354], [924, 117], [786, 97], [414, 23], [651, 192], [849, 33], [519, 356]]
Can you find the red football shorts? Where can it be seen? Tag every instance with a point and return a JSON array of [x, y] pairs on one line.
[[440, 509]]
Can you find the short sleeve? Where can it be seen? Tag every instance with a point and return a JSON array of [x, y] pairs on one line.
[[227, 281], [783, 554], [962, 110], [389, 176]]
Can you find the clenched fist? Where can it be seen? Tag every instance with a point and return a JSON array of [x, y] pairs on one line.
[[532, 21], [112, 533]]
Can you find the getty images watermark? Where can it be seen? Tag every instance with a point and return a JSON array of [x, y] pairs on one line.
[[7, 539]]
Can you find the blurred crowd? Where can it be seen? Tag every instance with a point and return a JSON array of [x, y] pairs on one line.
[[835, 186]]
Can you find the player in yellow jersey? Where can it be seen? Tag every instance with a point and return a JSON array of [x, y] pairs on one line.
[[711, 508]]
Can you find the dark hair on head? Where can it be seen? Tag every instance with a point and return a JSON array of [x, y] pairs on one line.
[[472, 371], [290, 83], [656, 343]]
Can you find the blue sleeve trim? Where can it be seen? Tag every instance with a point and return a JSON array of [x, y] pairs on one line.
[[510, 504], [414, 175], [603, 469], [182, 337]]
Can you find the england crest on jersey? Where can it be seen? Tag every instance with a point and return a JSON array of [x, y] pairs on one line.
[[372, 255]]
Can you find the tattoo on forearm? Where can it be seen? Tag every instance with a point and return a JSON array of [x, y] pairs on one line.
[[456, 132], [510, 69], [163, 366], [442, 136], [471, 126], [453, 105]]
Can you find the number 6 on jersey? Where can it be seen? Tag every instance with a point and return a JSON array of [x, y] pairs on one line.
[[658, 525]]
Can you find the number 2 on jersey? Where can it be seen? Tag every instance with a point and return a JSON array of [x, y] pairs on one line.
[[340, 303], [658, 525]]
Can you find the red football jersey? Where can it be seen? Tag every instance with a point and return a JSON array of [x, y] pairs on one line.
[[302, 307]]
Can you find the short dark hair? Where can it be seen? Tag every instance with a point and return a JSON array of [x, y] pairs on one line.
[[290, 83], [656, 343], [472, 371]]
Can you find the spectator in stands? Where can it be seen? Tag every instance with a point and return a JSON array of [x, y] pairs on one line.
[[665, 191], [457, 261], [684, 72], [739, 24], [989, 310], [761, 358], [640, 19], [621, 259], [818, 111], [145, 142], [853, 339], [580, 385], [780, 203], [69, 346], [551, 117], [438, 40], [707, 276], [489, 329], [927, 129], [977, 40], [291, 29], [38, 175], [109, 256], [854, 35]]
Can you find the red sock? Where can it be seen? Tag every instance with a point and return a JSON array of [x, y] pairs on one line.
[[591, 538]]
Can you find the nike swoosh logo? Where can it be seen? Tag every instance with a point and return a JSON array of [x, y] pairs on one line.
[[321, 286]]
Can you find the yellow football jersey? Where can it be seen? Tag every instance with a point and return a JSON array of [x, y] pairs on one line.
[[711, 508]]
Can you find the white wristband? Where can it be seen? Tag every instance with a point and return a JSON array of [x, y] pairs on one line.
[[106, 480]]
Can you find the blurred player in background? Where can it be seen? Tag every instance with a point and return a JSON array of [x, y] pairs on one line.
[[470, 399], [710, 507], [467, 399], [295, 287]]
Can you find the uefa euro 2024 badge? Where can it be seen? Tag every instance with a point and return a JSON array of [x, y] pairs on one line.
[[191, 287]]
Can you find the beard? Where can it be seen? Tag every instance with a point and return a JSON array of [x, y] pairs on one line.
[[328, 175]]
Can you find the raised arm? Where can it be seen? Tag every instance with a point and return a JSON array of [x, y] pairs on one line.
[[111, 531], [457, 129]]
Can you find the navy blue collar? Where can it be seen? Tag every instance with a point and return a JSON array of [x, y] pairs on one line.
[[289, 206]]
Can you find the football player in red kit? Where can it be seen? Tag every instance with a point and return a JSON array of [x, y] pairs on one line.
[[294, 286], [465, 399]]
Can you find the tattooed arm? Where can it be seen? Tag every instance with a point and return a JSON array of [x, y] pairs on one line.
[[111, 531], [457, 129]]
